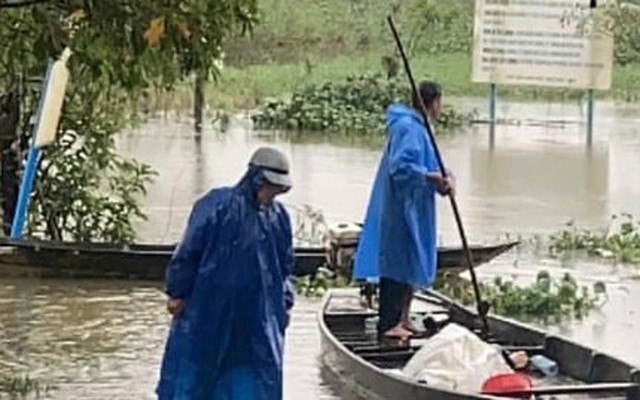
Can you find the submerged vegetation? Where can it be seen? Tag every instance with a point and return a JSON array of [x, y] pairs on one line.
[[356, 105], [22, 387], [325, 56], [318, 284], [305, 42], [619, 242], [546, 299]]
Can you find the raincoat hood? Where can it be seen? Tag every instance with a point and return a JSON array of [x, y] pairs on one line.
[[397, 111], [252, 181]]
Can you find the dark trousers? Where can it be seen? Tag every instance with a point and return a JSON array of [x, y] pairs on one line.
[[393, 297]]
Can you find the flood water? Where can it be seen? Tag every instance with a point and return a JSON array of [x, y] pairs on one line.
[[104, 340]]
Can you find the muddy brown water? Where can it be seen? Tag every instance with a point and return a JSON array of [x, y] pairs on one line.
[[104, 340]]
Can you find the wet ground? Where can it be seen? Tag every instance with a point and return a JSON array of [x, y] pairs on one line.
[[101, 340]]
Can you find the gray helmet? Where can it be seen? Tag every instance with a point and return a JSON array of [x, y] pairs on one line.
[[274, 164]]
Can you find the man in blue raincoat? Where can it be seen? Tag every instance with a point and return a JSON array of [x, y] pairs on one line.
[[229, 291], [397, 247]]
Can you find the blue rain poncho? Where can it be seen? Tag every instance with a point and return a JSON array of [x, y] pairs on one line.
[[232, 268], [398, 240]]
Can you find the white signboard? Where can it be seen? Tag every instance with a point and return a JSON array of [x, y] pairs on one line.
[[559, 43]]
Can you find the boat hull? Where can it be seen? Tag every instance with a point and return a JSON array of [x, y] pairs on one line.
[[352, 365], [372, 383], [148, 262]]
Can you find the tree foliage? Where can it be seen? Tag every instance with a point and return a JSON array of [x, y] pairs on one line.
[[85, 190], [437, 27], [626, 31]]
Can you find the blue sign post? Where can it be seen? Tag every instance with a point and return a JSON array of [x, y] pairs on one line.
[[47, 118], [20, 216]]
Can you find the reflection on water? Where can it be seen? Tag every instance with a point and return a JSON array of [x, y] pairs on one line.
[[532, 180], [99, 340], [91, 339], [543, 185]]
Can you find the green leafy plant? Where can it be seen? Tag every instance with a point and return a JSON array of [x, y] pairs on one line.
[[86, 191], [22, 387], [626, 32], [316, 285], [356, 106], [572, 238], [546, 299], [437, 27], [619, 242]]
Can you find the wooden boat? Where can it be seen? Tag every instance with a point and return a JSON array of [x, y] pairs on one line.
[[148, 261], [353, 355]]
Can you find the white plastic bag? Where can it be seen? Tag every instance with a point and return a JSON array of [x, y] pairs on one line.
[[456, 359]]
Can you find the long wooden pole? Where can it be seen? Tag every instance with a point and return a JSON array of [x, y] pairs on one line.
[[482, 307], [198, 103]]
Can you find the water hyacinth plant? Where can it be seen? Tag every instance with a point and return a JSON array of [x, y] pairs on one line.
[[547, 299], [356, 106], [619, 242]]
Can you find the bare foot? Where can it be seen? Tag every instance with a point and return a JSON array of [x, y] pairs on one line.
[[398, 332], [411, 327]]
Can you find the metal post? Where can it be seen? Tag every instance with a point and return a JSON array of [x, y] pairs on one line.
[[492, 113], [30, 169], [590, 96], [20, 216]]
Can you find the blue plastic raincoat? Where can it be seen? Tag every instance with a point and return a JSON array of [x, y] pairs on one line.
[[232, 268], [398, 240]]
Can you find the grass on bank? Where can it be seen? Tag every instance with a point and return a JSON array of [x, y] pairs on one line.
[[248, 87], [299, 42]]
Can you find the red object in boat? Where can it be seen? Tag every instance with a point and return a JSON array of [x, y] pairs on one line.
[[512, 385]]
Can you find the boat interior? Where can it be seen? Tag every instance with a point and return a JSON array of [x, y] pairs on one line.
[[350, 319]]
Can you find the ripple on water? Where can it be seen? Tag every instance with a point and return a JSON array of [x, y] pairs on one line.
[[112, 349], [101, 340], [97, 340]]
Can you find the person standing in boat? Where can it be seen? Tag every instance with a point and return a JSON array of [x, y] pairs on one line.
[[397, 248], [230, 292]]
